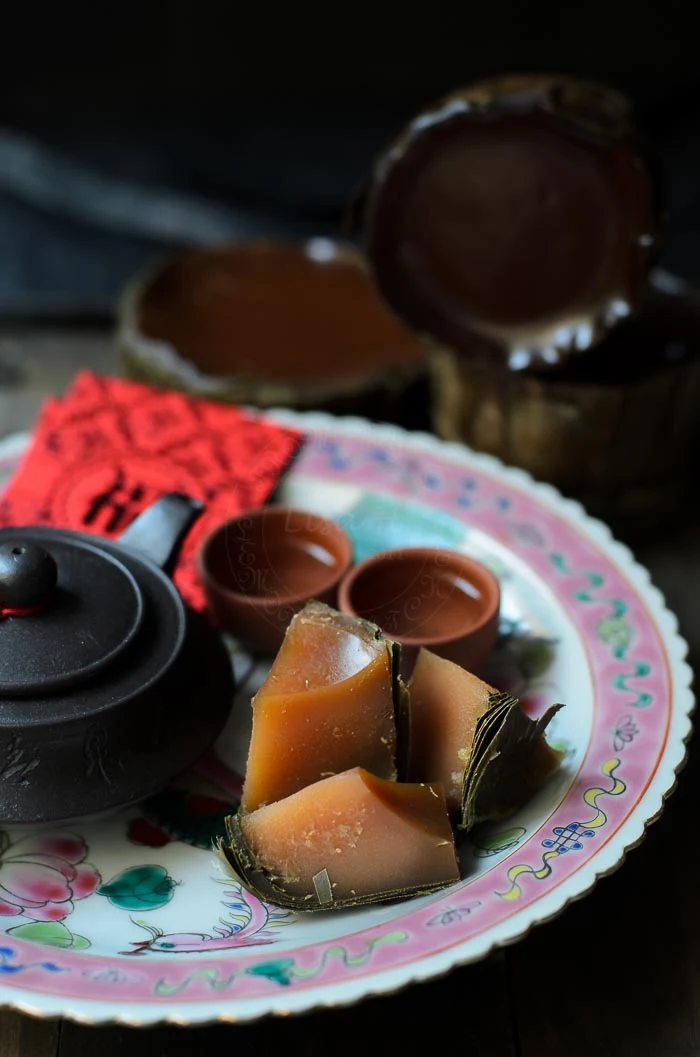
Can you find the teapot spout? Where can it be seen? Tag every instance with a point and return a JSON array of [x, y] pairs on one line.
[[158, 533]]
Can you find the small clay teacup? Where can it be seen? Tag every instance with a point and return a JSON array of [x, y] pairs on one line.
[[259, 569], [424, 596]]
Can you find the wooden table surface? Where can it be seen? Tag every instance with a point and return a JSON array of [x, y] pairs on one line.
[[618, 973]]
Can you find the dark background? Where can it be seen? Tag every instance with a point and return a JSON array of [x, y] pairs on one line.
[[128, 128]]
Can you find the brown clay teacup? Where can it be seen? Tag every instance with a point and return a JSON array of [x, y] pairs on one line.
[[424, 596], [261, 568]]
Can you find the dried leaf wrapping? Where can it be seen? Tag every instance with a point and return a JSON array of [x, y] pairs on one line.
[[501, 772]]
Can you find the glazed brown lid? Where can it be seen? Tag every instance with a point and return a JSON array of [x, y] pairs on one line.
[[516, 219], [304, 313]]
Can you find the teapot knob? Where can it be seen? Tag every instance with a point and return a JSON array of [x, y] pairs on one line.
[[28, 576]]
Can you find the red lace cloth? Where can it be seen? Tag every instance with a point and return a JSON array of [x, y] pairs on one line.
[[110, 447]]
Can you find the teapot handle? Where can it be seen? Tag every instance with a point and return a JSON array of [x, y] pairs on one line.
[[158, 533]]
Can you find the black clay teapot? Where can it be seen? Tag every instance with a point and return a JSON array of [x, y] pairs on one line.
[[110, 686]]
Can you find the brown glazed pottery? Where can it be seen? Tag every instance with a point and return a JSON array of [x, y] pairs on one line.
[[274, 324], [259, 569], [425, 596], [515, 219]]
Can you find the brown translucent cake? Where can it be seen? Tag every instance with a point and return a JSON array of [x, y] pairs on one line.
[[347, 839], [446, 701], [273, 324], [328, 704]]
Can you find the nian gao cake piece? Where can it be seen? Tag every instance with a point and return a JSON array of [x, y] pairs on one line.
[[476, 741], [328, 704], [347, 840], [445, 703]]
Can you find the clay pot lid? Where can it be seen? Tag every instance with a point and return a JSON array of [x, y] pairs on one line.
[[71, 605], [80, 614], [516, 219], [80, 607]]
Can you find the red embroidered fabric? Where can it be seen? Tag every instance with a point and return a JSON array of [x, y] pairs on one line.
[[110, 447]]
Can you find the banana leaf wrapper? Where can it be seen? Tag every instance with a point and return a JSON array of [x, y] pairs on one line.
[[504, 767]]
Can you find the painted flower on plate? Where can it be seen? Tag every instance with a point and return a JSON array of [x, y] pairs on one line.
[[42, 875]]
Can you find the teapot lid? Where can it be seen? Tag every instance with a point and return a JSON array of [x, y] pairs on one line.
[[68, 609], [515, 221]]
